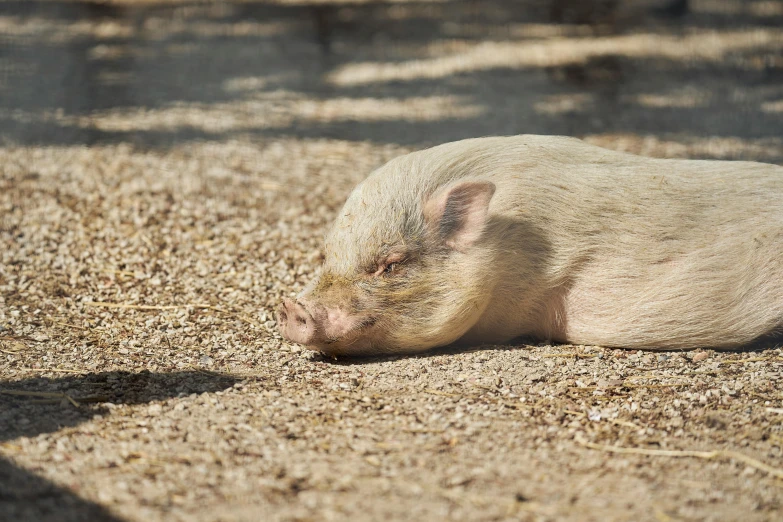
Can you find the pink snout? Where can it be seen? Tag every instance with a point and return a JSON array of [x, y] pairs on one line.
[[295, 323]]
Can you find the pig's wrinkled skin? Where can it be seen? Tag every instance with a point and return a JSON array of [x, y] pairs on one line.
[[485, 240]]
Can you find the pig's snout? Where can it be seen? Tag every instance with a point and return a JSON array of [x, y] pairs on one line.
[[329, 329], [295, 323]]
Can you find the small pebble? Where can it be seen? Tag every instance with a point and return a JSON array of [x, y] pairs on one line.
[[700, 356]]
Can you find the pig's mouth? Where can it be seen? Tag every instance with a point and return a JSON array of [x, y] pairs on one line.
[[352, 333]]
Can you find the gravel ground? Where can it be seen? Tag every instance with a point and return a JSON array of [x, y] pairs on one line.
[[167, 171]]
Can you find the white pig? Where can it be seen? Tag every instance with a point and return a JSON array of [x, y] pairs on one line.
[[485, 240]]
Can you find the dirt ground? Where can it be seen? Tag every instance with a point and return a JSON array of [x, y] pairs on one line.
[[167, 171]]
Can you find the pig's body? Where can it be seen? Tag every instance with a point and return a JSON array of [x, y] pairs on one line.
[[495, 238]]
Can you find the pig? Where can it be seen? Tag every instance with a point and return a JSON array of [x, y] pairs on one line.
[[486, 240]]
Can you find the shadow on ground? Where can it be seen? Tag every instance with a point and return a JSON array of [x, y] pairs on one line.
[[761, 345], [36, 406]]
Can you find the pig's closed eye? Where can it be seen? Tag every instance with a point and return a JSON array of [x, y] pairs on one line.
[[390, 266], [386, 269]]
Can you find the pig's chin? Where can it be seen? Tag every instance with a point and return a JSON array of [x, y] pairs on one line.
[[358, 338]]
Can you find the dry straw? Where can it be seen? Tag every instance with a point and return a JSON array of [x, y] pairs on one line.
[[707, 455], [102, 304]]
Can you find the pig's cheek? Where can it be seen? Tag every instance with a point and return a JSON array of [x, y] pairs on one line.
[[338, 322]]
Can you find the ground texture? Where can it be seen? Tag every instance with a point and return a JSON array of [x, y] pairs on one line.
[[167, 170]]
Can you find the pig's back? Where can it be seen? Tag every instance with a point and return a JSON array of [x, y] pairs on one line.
[[648, 252]]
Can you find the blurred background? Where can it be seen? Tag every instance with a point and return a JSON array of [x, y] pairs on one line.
[[697, 78]]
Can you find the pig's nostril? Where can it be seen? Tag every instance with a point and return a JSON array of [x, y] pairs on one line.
[[295, 323]]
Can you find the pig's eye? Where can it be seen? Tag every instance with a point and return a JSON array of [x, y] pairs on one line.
[[389, 266], [386, 269]]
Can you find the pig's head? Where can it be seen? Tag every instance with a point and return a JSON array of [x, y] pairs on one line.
[[404, 269]]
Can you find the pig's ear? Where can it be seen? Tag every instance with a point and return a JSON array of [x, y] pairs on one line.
[[458, 213]]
